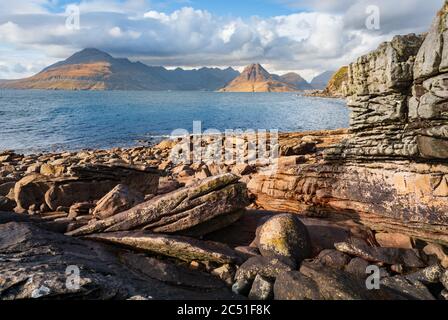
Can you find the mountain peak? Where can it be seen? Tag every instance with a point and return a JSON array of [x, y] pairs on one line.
[[90, 55], [256, 72], [255, 78]]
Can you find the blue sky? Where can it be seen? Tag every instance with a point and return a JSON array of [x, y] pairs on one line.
[[304, 36], [242, 8]]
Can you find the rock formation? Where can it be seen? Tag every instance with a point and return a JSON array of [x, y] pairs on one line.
[[336, 85], [199, 209], [35, 264]]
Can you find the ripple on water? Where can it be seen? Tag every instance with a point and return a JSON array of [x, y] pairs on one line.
[[63, 120]]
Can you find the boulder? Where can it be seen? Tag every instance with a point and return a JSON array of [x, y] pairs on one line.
[[284, 236], [119, 199], [202, 208], [262, 289], [394, 240], [183, 248], [406, 257]]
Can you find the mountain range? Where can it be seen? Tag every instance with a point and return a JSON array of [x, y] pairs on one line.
[[93, 69]]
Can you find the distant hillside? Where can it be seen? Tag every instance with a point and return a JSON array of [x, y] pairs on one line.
[[92, 69], [295, 80], [320, 82], [335, 85], [255, 78]]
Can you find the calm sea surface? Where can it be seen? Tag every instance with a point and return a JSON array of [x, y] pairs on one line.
[[34, 120]]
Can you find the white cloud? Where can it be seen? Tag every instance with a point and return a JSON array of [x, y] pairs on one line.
[[330, 34], [115, 32]]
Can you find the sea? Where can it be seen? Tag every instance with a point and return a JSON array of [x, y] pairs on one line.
[[35, 121]]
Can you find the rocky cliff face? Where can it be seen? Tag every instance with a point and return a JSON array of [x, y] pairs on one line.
[[391, 173]]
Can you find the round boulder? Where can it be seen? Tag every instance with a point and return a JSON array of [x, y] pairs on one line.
[[284, 236]]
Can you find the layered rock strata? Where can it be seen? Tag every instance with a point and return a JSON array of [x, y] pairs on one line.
[[391, 173]]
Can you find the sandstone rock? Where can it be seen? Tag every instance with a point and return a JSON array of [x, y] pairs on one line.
[[394, 240], [199, 209], [295, 286], [65, 193], [439, 252], [141, 178], [242, 169], [334, 258], [431, 58], [34, 265], [119, 199], [31, 190], [297, 150], [179, 247], [284, 236], [406, 257], [47, 169], [262, 289], [79, 209]]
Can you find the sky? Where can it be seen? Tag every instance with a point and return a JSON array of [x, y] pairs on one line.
[[303, 36]]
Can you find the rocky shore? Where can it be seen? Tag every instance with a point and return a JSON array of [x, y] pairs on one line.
[[347, 214], [139, 226]]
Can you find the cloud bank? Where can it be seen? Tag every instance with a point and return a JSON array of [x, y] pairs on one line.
[[322, 35]]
